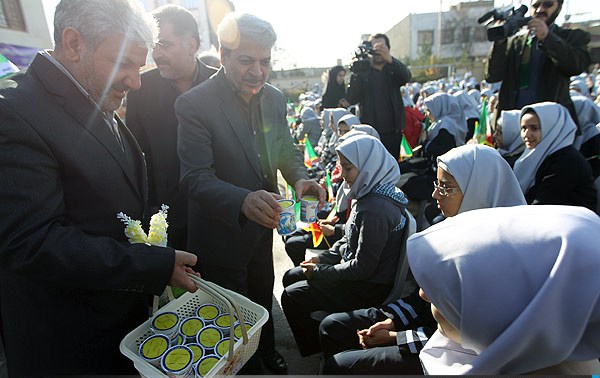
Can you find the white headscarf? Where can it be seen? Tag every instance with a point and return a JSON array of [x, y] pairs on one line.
[[375, 164], [476, 94], [469, 106], [448, 115], [483, 176], [511, 131], [520, 284], [341, 198], [349, 119], [558, 131], [588, 115]]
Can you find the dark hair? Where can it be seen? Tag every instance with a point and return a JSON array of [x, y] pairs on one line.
[[385, 38], [183, 22]]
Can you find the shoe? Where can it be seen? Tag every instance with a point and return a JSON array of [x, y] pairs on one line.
[[274, 361]]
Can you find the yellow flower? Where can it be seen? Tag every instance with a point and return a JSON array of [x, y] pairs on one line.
[[157, 235], [158, 228]]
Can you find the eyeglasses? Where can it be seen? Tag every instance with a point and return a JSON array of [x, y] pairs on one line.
[[445, 191], [545, 4]]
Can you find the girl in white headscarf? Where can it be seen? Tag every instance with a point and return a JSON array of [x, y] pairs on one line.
[[474, 177], [359, 270], [550, 170], [310, 127], [507, 136], [514, 291], [588, 143], [470, 177], [449, 127], [470, 109]]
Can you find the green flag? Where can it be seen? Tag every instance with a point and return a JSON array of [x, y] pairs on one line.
[[481, 127], [310, 156], [405, 150]]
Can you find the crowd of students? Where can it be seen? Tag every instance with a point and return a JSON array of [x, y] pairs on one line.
[[337, 304]]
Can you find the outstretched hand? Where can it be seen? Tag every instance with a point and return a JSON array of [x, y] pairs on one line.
[[304, 187], [262, 207]]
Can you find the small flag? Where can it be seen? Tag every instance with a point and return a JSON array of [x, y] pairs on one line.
[[330, 196], [405, 150], [317, 233], [310, 157], [480, 133], [332, 214]]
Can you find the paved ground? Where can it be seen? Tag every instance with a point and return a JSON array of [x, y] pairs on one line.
[[284, 340], [283, 336]]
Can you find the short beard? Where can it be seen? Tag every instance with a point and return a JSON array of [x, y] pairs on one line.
[[553, 16]]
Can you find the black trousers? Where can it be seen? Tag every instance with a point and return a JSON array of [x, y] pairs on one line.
[[301, 297], [342, 353], [255, 281], [296, 244]]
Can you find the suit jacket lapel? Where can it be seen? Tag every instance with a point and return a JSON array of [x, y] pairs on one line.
[[84, 112], [268, 114], [137, 158], [237, 122]]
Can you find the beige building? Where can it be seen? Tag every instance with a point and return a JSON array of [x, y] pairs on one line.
[[23, 34], [449, 34]]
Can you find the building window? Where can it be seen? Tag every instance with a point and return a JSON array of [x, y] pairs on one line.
[[425, 37], [11, 16], [448, 36], [465, 34], [479, 34]]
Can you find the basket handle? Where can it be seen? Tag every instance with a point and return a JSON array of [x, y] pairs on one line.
[[232, 306]]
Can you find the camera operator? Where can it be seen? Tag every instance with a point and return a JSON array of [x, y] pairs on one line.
[[536, 66], [377, 90]]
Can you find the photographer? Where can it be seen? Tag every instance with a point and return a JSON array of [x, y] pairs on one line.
[[536, 66], [377, 89]]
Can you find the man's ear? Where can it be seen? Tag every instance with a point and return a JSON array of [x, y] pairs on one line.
[[193, 45], [73, 45]]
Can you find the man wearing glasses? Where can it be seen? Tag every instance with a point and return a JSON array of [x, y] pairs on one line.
[[536, 66]]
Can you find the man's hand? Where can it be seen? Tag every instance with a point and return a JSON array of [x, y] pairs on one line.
[[262, 207], [302, 187], [537, 26], [381, 48], [179, 278]]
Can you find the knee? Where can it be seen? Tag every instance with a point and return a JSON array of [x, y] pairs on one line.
[[292, 276], [335, 366], [328, 324]]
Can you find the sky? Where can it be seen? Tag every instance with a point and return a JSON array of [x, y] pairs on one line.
[[316, 33]]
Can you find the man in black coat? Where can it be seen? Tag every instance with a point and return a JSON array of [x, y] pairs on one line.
[[378, 93], [537, 66], [233, 137], [151, 111], [71, 285]]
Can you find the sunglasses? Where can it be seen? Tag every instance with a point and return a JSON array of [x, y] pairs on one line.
[[443, 190], [545, 4]]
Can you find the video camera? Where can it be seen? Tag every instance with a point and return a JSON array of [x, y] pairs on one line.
[[514, 20], [361, 62]]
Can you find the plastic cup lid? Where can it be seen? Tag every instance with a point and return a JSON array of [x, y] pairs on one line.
[[154, 347]]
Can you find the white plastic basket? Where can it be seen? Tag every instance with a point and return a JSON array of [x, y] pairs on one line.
[[186, 306]]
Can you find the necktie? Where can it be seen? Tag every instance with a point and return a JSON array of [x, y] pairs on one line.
[[114, 127]]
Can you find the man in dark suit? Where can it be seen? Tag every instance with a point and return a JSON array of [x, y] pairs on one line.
[[377, 90], [71, 286], [151, 111], [233, 137], [536, 66]]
